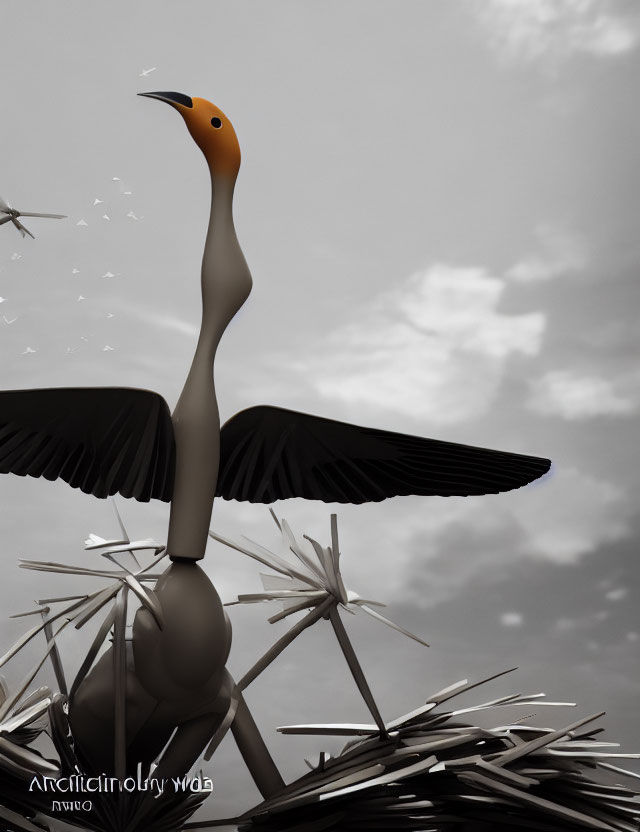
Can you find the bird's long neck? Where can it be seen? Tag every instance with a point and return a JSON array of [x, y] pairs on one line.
[[226, 283]]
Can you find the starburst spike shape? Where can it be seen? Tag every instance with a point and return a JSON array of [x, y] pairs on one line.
[[84, 607], [314, 582], [9, 214], [315, 577]]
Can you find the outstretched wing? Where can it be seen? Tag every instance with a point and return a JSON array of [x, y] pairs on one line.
[[268, 453], [102, 440]]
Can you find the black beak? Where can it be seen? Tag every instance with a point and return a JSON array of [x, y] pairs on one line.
[[170, 97]]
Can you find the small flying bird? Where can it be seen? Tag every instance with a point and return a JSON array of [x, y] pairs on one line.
[[9, 214], [97, 201], [9, 321], [28, 351], [146, 72], [82, 222]]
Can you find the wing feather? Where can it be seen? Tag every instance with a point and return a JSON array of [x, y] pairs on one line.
[[102, 440], [293, 454]]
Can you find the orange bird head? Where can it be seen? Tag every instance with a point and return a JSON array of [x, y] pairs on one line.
[[210, 128]]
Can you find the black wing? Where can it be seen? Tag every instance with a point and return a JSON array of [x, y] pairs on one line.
[[102, 440], [268, 453]]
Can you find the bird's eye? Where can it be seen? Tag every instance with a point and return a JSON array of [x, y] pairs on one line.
[[216, 122]]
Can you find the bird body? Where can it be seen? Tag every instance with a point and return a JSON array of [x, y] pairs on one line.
[[177, 677], [115, 440]]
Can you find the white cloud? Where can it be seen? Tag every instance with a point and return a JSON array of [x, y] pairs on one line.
[[569, 516], [561, 253], [616, 594], [435, 348], [574, 396], [550, 31], [589, 621]]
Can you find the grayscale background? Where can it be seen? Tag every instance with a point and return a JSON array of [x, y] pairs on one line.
[[439, 203]]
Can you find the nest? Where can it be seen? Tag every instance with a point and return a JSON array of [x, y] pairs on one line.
[[427, 771], [432, 772]]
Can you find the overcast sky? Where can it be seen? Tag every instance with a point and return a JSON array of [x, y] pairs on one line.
[[439, 203]]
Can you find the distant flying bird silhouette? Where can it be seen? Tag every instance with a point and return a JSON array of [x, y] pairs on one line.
[[9, 214], [146, 72]]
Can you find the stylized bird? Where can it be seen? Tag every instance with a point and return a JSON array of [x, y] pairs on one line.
[[11, 215], [120, 440]]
